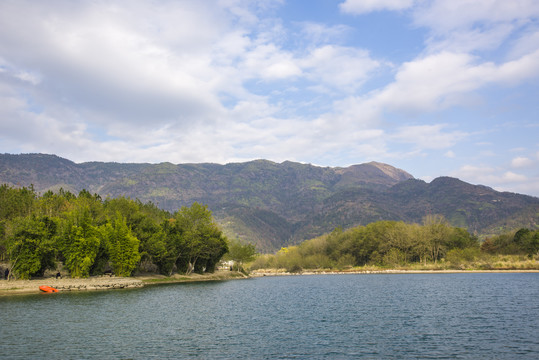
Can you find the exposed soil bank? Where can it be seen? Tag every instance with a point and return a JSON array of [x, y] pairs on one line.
[[107, 283]]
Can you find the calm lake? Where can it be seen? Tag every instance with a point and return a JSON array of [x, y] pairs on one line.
[[427, 316]]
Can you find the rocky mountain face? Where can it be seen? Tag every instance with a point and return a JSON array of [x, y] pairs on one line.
[[274, 205]]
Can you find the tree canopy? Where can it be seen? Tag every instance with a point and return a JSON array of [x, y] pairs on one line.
[[382, 244], [87, 235]]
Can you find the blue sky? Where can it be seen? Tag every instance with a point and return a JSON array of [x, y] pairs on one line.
[[435, 87]]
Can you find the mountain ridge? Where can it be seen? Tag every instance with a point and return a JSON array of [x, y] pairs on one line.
[[279, 204]]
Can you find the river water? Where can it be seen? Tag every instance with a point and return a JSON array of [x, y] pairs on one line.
[[427, 316]]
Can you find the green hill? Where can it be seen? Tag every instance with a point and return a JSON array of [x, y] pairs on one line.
[[276, 205]]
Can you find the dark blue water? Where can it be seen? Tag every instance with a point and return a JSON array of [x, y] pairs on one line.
[[427, 316]]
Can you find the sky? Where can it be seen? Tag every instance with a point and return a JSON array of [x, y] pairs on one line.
[[434, 87]]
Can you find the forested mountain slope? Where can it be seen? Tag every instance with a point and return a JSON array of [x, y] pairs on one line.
[[275, 205]]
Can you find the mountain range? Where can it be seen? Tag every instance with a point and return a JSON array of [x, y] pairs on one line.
[[274, 205]]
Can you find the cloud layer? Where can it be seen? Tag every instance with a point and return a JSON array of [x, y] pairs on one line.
[[222, 81]]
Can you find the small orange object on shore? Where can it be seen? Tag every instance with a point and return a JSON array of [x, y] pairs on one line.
[[48, 289]]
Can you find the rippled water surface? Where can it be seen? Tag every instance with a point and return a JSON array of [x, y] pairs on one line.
[[428, 316]]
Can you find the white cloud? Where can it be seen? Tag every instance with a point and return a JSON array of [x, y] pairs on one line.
[[428, 136], [268, 62], [365, 6], [516, 71], [116, 62], [478, 173], [32, 78], [317, 33], [225, 80], [518, 149], [446, 15], [481, 25], [432, 83], [339, 67], [440, 81], [510, 176], [525, 44], [469, 40], [520, 162], [498, 178], [487, 153]]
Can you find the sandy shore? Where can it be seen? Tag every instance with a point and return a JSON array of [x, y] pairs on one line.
[[14, 287]]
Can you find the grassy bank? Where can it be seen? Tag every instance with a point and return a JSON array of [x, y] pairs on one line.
[[282, 272], [476, 261], [485, 262]]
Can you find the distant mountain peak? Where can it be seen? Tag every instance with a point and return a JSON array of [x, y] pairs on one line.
[[391, 171], [372, 174]]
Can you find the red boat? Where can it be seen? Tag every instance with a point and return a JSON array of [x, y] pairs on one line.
[[48, 289]]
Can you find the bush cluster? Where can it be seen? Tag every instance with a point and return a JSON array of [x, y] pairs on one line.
[[392, 244]]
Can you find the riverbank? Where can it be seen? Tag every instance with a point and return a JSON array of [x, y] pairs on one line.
[[110, 283], [282, 272], [179, 278], [14, 287]]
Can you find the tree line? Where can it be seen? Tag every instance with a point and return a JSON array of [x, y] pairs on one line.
[[394, 244], [89, 235]]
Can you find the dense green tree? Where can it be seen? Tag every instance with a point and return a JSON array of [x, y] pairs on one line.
[[339, 243], [212, 249], [51, 204], [527, 241], [153, 251], [92, 205], [80, 243], [394, 258], [16, 202], [531, 244], [174, 247], [125, 208], [31, 247], [199, 236], [240, 253], [460, 238], [522, 242], [97, 234], [396, 239], [438, 232], [146, 223], [488, 246], [522, 236], [382, 243], [122, 246], [192, 242]]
